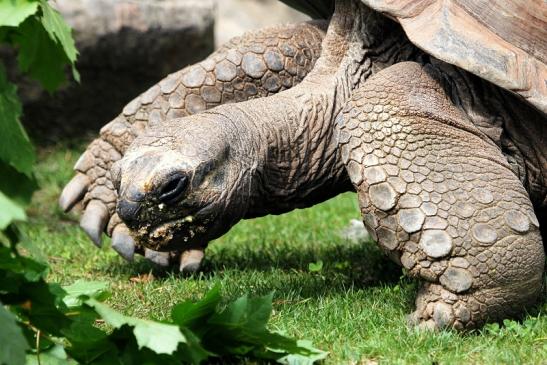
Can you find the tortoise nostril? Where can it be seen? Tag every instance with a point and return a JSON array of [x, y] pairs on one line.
[[128, 211], [173, 189]]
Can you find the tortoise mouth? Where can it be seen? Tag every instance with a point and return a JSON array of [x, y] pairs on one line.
[[175, 233]]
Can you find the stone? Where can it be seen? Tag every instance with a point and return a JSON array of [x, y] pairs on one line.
[[456, 279], [436, 243], [253, 65], [355, 231], [225, 71], [517, 221], [194, 77], [483, 233], [383, 196], [411, 220]]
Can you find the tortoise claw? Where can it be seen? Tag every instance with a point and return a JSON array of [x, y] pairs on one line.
[[190, 260], [74, 191], [158, 258], [94, 220], [122, 242]]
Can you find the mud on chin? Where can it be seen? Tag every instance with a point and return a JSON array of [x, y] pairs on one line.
[[172, 235]]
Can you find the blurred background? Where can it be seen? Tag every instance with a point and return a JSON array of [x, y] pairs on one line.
[[125, 47]]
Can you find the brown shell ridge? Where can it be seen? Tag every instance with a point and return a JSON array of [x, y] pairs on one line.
[[450, 33]]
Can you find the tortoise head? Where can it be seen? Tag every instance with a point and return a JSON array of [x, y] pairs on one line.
[[181, 184]]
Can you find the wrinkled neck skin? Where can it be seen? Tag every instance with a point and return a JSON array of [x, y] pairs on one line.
[[274, 154], [285, 144]]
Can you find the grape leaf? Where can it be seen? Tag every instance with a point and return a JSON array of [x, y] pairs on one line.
[[13, 12], [18, 186], [158, 337], [39, 55], [15, 149], [82, 290], [313, 356], [194, 315], [9, 211], [59, 31], [13, 342], [56, 355]]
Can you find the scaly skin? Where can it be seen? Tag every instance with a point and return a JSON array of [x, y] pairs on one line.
[[258, 64], [190, 180], [444, 177], [440, 198]]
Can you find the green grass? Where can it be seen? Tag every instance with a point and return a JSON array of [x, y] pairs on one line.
[[354, 307]]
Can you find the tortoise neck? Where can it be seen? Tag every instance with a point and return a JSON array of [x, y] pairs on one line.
[[286, 143], [298, 164]]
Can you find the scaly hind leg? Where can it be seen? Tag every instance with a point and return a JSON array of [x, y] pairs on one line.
[[439, 198], [258, 64]]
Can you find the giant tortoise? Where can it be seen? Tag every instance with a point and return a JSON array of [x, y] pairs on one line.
[[433, 111]]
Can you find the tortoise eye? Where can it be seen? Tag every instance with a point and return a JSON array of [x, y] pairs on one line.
[[173, 190]]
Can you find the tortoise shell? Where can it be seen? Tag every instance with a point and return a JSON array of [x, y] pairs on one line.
[[502, 41]]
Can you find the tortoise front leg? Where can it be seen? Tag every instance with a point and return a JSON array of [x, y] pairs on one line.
[[258, 64], [440, 198]]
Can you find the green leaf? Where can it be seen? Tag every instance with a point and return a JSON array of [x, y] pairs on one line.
[[313, 356], [192, 351], [46, 309], [14, 344], [158, 337], [39, 55], [87, 342], [18, 268], [59, 31], [13, 12], [15, 147], [315, 266], [56, 355], [82, 290], [10, 211], [194, 315], [252, 314], [18, 186]]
